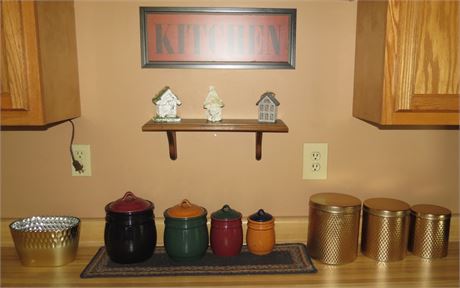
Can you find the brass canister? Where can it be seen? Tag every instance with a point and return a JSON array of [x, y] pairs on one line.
[[385, 229], [429, 231], [46, 240], [333, 227]]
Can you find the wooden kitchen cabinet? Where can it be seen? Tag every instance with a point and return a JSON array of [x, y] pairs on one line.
[[407, 65], [39, 74]]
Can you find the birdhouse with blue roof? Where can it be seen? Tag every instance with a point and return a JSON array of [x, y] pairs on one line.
[[268, 107]]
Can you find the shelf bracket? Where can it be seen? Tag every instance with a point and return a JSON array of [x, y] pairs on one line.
[[172, 144], [258, 145]]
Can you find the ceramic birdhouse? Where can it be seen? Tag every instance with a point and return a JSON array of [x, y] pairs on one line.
[[268, 107], [213, 105], [166, 106]]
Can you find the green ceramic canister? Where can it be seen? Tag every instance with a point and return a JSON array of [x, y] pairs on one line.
[[186, 233]]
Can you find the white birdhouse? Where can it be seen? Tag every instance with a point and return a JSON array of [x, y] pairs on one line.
[[166, 105], [268, 107]]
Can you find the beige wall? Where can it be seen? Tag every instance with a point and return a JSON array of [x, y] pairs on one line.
[[418, 166]]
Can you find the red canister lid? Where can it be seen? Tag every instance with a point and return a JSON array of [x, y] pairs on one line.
[[129, 203]]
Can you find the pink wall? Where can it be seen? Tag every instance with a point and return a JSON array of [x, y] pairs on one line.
[[417, 166]]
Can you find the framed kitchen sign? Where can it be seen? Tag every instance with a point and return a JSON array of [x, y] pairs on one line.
[[236, 38]]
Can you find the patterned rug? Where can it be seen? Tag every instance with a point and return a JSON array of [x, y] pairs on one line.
[[284, 259]]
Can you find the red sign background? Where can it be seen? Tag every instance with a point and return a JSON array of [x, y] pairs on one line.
[[216, 37]]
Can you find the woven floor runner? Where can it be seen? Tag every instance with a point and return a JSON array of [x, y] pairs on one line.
[[284, 259]]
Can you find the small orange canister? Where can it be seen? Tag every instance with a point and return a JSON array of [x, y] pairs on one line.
[[260, 236]]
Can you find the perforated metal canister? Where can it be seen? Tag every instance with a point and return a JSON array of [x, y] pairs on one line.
[[429, 231], [385, 229], [333, 227]]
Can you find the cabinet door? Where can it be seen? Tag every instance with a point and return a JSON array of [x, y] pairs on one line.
[[21, 97], [13, 88], [426, 69]]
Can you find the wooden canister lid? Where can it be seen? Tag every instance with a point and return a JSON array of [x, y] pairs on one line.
[[386, 207], [335, 202]]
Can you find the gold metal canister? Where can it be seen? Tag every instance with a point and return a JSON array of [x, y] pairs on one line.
[[46, 240], [333, 227], [429, 231], [385, 229]]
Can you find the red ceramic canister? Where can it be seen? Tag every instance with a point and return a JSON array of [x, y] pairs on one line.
[[226, 232]]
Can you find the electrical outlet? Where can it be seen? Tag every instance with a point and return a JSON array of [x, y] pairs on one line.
[[82, 154], [315, 167], [315, 156], [315, 161]]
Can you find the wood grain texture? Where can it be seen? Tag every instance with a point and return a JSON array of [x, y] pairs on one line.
[[49, 66], [226, 125], [363, 272], [436, 61], [259, 136], [369, 60], [172, 143], [5, 91], [430, 102], [420, 76], [14, 78], [34, 113], [423, 44], [58, 59], [203, 125]]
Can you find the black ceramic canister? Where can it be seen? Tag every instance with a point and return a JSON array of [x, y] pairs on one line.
[[130, 235]]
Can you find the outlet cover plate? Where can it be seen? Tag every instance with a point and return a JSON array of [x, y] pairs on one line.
[[315, 161], [82, 154]]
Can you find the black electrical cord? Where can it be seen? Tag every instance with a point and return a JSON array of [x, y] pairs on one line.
[[77, 165]]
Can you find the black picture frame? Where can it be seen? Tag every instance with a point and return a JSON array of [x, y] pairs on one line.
[[265, 38]]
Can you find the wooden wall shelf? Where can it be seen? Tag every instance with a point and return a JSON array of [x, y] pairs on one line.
[[226, 125]]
